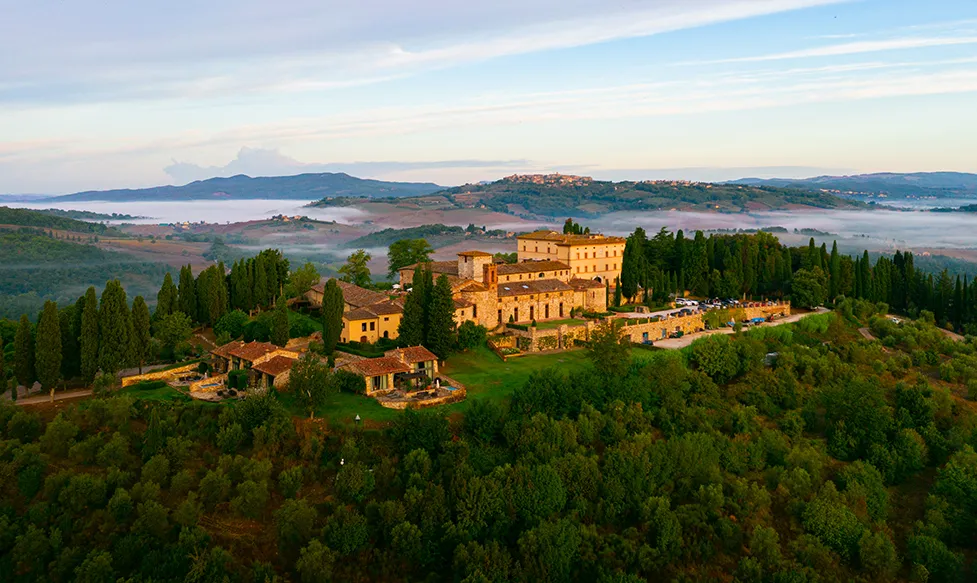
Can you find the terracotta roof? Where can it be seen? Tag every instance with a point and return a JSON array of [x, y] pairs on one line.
[[445, 267], [225, 350], [465, 285], [591, 239], [532, 267], [411, 354], [460, 303], [372, 367], [537, 286], [584, 284], [359, 314], [474, 254], [357, 297], [253, 350], [275, 365], [386, 308]]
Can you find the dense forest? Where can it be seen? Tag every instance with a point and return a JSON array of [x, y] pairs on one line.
[[758, 265], [48, 220], [842, 458], [40, 265]]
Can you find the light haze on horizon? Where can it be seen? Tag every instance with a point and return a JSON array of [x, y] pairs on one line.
[[116, 94]]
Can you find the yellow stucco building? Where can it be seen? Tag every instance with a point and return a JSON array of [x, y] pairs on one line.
[[591, 256]]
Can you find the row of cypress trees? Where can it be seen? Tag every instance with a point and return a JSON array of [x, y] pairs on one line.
[[428, 318]]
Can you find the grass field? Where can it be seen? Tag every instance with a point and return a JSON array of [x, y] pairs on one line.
[[154, 391], [487, 377], [342, 408]]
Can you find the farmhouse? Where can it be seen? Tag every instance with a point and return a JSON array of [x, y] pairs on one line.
[[240, 355], [591, 256], [368, 316]]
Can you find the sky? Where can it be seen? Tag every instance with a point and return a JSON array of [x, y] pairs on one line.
[[98, 94]]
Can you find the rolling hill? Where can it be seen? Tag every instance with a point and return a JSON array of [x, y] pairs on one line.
[[241, 187], [560, 196], [941, 184]]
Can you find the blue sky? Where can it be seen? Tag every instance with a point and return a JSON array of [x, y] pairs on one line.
[[113, 93]]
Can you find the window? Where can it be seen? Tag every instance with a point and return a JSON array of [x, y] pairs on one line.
[[532, 312], [561, 309], [386, 318], [578, 256], [546, 311], [373, 326], [363, 327], [500, 316], [542, 275], [386, 334], [515, 314], [586, 255], [578, 269], [474, 311]]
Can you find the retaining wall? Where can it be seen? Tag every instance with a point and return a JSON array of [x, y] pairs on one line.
[[163, 375]]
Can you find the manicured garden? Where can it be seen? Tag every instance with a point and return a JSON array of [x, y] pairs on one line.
[[154, 391]]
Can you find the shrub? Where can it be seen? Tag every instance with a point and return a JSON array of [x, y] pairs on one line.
[[471, 335], [348, 381]]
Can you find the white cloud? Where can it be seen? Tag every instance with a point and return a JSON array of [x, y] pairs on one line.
[[852, 48], [106, 51]]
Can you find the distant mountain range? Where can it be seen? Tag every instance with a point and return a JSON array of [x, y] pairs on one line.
[[941, 184], [241, 187]]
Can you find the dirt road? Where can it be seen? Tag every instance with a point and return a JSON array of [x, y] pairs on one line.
[[39, 399], [676, 343]]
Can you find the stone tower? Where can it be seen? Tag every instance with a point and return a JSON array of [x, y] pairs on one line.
[[471, 264]]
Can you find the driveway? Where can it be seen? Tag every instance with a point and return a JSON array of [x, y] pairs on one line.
[[676, 343]]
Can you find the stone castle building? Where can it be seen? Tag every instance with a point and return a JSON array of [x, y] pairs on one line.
[[591, 256], [491, 294]]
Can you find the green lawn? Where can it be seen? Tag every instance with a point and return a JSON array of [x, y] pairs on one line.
[[342, 408], [154, 391], [558, 323], [487, 377]]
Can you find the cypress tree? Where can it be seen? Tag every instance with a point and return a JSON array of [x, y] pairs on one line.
[[89, 336], [70, 355], [279, 323], [260, 287], [3, 371], [48, 346], [167, 300], [411, 331], [835, 272], [441, 321], [140, 331], [187, 295], [333, 306], [24, 353], [114, 329], [617, 292]]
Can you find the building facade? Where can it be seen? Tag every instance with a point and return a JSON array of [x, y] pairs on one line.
[[592, 256]]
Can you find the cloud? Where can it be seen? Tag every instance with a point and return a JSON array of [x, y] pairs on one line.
[[852, 48], [271, 162], [110, 50]]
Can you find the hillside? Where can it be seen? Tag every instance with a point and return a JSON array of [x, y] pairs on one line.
[[241, 187], [48, 220], [437, 235], [37, 267], [559, 196], [941, 184]]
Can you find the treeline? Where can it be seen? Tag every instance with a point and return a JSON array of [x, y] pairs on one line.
[[49, 220], [758, 266], [41, 265], [839, 462], [105, 334]]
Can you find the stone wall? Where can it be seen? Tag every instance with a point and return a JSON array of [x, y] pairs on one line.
[[163, 375]]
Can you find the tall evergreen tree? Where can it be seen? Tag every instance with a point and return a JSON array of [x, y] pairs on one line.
[[114, 329], [187, 293], [617, 292], [699, 266], [48, 346], [411, 331], [259, 295], [633, 263], [168, 298], [333, 306], [279, 323], [140, 331], [89, 337], [24, 352], [441, 328], [70, 349], [834, 272]]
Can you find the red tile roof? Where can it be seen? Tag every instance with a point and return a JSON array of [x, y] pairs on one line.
[[225, 350], [585, 284], [412, 354], [436, 267], [560, 238], [474, 254], [532, 267], [372, 367], [537, 286], [357, 297], [252, 351], [275, 365]]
